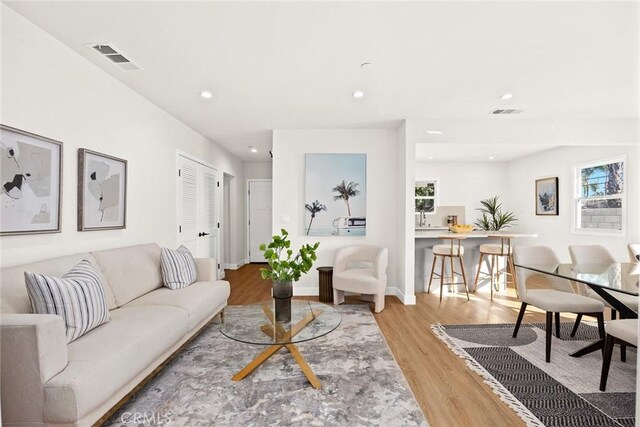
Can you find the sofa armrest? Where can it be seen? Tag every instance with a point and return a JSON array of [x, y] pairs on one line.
[[206, 269], [33, 348]]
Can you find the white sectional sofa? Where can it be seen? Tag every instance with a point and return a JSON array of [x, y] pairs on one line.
[[46, 381]]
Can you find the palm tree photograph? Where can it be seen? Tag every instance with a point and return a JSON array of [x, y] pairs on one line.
[[336, 186], [313, 208], [346, 191]]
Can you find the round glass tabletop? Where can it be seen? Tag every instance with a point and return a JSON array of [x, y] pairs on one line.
[[255, 324]]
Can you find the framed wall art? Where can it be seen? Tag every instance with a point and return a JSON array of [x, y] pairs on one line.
[[547, 196], [102, 191], [335, 195], [31, 171]]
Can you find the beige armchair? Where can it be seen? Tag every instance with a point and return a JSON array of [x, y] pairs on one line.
[[363, 270]]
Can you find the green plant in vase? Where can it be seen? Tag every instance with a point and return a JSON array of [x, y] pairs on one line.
[[493, 218], [284, 269]]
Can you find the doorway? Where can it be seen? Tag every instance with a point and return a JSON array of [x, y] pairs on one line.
[[198, 203], [259, 196]]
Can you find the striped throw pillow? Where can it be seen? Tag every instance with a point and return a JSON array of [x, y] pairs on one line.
[[178, 268], [77, 296]]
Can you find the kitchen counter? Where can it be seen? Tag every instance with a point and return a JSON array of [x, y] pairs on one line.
[[426, 239], [435, 234]]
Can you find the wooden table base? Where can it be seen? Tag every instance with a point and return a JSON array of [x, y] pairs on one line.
[[283, 335]]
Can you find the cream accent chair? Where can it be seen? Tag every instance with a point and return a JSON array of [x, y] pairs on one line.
[[363, 270], [559, 299], [597, 254]]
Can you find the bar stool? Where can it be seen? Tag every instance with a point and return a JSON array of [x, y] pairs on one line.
[[450, 251], [494, 252]]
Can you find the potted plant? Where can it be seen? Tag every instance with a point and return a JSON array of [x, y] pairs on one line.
[[493, 218], [285, 269]]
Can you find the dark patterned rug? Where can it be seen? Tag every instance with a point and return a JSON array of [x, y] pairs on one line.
[[362, 383], [564, 392]]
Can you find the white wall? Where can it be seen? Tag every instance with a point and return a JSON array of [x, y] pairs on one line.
[[50, 90], [466, 183], [258, 170], [406, 203], [555, 231], [289, 148]]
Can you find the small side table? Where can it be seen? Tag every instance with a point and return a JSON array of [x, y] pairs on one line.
[[326, 283]]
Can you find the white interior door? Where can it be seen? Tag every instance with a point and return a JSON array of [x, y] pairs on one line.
[[207, 220], [197, 208], [260, 213]]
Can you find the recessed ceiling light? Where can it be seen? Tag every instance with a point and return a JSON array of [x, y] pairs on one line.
[[206, 94], [358, 94], [430, 157], [253, 149], [366, 65], [434, 132], [507, 96], [491, 157]]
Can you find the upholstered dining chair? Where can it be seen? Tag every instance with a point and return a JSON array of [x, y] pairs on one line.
[[597, 254], [623, 332], [361, 269], [559, 298], [634, 252]]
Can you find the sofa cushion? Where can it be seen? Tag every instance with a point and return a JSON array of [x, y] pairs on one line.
[[77, 296], [14, 291], [199, 300], [108, 357], [178, 267], [131, 271]]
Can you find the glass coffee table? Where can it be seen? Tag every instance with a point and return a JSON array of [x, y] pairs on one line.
[[255, 324]]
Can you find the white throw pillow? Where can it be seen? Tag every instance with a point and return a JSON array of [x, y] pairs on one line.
[[178, 268], [78, 297]]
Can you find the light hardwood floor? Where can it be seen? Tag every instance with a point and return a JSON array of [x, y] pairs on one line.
[[448, 393]]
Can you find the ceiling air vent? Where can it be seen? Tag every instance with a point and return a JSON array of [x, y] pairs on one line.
[[503, 111], [114, 56]]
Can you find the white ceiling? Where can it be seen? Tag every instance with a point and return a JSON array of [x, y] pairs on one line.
[[294, 65], [478, 152]]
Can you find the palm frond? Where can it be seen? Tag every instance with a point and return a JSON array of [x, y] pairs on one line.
[[493, 218]]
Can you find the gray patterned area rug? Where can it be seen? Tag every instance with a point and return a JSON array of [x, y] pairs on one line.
[[564, 392], [362, 383]]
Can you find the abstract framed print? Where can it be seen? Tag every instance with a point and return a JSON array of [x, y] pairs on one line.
[[31, 170], [102, 191]]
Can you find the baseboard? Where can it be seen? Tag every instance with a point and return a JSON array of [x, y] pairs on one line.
[[405, 299], [305, 291], [236, 265]]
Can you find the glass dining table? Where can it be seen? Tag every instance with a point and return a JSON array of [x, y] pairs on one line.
[[608, 281]]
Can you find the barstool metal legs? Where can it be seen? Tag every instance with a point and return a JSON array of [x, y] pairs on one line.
[[464, 277], [495, 272], [441, 279], [433, 265], [475, 282]]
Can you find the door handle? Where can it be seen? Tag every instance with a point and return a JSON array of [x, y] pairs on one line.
[[203, 234]]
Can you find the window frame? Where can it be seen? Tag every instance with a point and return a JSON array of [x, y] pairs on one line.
[[436, 187], [577, 198]]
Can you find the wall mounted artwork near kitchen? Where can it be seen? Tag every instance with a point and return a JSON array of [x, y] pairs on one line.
[[31, 170], [335, 195], [547, 196], [102, 191]]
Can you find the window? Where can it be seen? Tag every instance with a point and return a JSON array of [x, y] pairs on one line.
[[600, 198], [426, 197]]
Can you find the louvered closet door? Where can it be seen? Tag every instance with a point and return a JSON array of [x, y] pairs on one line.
[[188, 204], [197, 210], [207, 216]]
